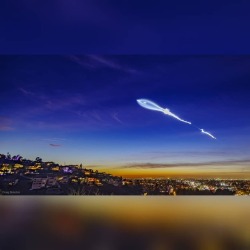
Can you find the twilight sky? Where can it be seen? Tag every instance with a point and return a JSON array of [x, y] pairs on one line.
[[83, 109], [122, 27]]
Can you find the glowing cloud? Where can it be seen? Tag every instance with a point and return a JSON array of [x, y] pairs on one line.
[[155, 107]]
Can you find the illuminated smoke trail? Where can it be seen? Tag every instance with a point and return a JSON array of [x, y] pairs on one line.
[[153, 106], [167, 112], [205, 132]]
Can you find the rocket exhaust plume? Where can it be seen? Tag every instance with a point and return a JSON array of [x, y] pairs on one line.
[[155, 107], [205, 132]]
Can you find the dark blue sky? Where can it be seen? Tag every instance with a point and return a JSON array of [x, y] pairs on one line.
[[83, 109], [74, 108], [124, 27]]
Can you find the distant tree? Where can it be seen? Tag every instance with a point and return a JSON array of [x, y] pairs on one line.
[[19, 158], [8, 156], [3, 156], [38, 159]]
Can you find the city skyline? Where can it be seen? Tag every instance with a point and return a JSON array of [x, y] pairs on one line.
[[82, 109]]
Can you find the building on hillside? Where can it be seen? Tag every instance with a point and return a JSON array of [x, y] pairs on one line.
[[39, 183]]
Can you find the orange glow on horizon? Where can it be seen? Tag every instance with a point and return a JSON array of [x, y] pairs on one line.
[[176, 173]]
